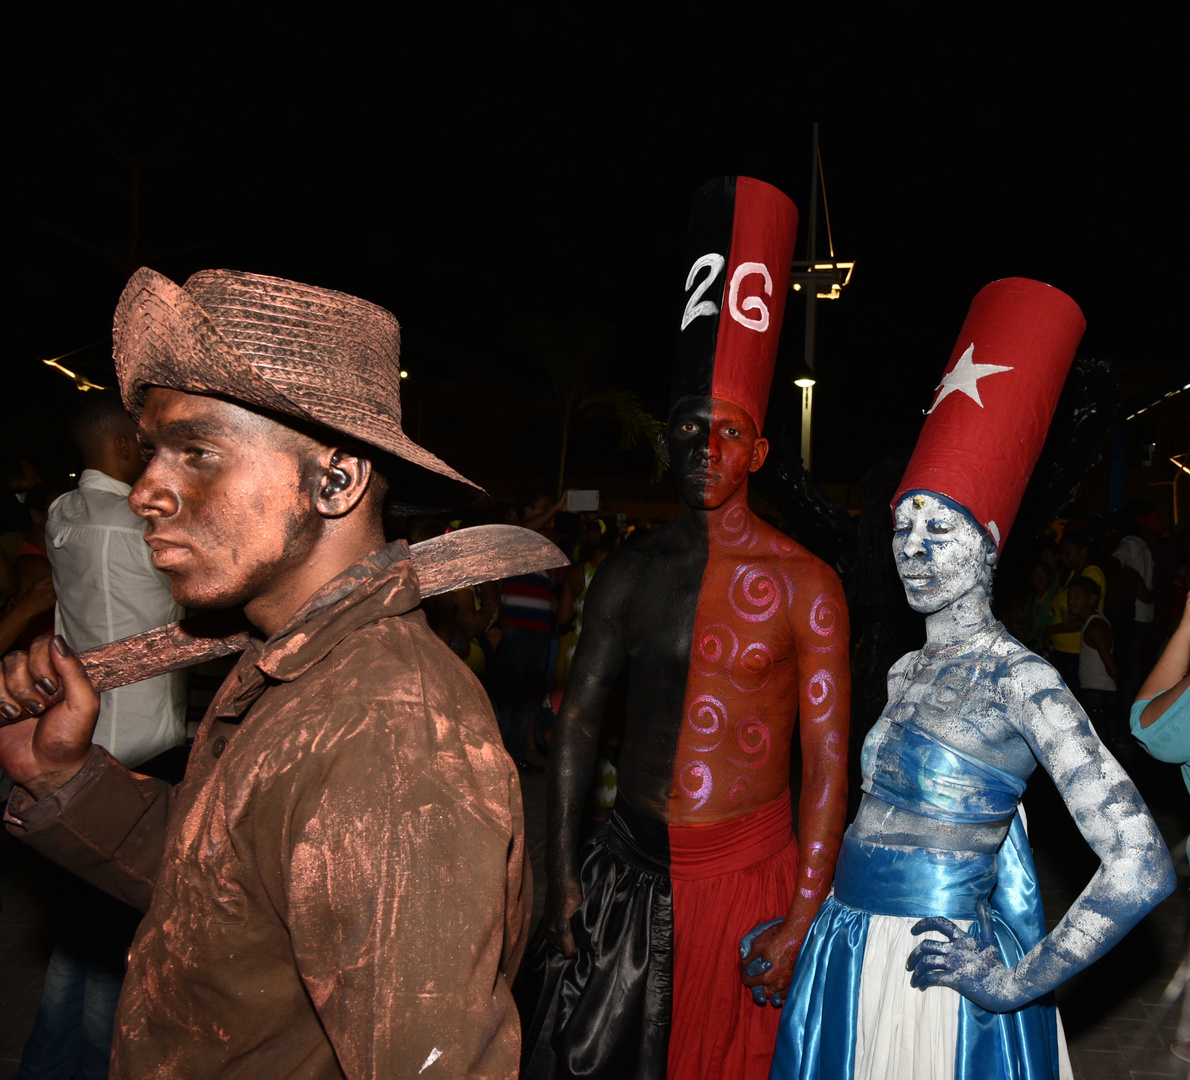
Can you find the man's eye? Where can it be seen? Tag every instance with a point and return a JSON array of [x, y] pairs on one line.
[[689, 425], [732, 433]]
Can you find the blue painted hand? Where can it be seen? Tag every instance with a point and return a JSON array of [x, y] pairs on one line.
[[757, 966], [970, 964]]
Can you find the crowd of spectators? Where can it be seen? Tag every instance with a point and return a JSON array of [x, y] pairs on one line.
[[1099, 600], [81, 568]]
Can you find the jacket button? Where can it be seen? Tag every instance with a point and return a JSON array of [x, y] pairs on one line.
[[218, 746]]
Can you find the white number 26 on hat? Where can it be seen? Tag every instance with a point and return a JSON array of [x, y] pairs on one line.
[[714, 264]]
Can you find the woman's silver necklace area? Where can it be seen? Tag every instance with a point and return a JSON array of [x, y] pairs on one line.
[[980, 641]]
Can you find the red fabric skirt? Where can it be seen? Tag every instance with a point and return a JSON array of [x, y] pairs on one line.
[[727, 877]]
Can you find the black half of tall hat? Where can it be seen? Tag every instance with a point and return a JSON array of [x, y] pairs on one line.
[[739, 248]]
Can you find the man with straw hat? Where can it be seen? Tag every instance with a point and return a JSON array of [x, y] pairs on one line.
[[337, 888]]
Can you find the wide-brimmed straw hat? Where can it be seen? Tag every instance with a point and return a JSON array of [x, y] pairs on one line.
[[314, 355]]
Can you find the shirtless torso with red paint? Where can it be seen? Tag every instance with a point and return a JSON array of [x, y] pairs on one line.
[[730, 631]]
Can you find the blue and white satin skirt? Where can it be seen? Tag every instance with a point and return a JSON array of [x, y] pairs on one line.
[[851, 1013]]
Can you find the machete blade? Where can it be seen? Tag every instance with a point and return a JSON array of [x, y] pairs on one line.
[[453, 561]]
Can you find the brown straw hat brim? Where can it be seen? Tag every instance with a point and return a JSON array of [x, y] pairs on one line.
[[310, 354]]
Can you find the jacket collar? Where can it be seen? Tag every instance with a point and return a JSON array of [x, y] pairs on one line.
[[381, 585]]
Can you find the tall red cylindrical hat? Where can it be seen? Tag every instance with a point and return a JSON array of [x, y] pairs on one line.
[[740, 249], [987, 424]]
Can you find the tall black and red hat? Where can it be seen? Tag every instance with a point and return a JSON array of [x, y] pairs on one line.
[[739, 254], [987, 424]]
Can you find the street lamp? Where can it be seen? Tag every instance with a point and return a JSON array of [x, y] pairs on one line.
[[803, 378], [819, 279]]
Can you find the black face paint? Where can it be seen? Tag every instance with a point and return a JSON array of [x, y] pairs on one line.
[[688, 436]]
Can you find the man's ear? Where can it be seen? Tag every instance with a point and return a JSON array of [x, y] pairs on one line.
[[759, 452], [341, 481], [126, 448], [663, 447]]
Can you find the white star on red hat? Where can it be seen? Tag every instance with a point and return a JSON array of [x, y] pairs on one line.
[[965, 376]]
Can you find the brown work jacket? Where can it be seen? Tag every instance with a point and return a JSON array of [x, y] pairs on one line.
[[338, 886]]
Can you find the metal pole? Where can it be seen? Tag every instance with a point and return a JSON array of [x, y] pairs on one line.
[[811, 306], [812, 288], [807, 410]]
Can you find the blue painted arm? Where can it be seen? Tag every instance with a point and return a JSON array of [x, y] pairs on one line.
[[1135, 873]]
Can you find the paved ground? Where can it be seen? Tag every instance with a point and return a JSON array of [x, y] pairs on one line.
[[1118, 1020]]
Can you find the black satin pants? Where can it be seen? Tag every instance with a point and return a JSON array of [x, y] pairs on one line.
[[604, 1014]]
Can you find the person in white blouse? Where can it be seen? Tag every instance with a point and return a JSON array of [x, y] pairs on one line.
[[106, 585]]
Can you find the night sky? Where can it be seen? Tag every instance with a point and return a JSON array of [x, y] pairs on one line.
[[471, 171]]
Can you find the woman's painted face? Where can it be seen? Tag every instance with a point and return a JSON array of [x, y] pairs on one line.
[[940, 553]]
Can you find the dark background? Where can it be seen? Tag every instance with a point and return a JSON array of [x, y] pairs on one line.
[[471, 171]]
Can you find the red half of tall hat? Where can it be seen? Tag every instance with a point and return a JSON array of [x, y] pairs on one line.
[[988, 420], [739, 253]]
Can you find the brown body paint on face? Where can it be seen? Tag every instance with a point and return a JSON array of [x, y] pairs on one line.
[[229, 511]]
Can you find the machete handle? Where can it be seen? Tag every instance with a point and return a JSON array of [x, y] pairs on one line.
[[445, 563], [155, 652]]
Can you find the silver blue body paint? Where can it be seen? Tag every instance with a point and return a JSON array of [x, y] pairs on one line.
[[980, 691]]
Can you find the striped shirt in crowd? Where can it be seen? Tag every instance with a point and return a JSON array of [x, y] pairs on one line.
[[528, 602]]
